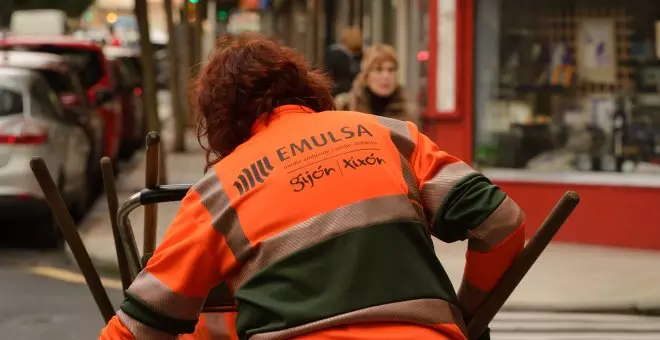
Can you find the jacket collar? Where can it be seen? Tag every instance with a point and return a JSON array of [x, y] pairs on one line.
[[281, 111]]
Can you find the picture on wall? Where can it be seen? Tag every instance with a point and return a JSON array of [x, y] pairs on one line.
[[596, 51]]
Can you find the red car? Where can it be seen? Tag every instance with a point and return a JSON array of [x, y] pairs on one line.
[[94, 73], [126, 76]]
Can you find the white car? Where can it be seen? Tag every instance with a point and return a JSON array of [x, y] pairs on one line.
[[33, 124], [65, 80]]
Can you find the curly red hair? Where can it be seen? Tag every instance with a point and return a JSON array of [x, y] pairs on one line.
[[247, 77]]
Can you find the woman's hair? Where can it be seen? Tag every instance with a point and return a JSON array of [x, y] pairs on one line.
[[373, 57], [377, 54], [358, 100], [246, 78]]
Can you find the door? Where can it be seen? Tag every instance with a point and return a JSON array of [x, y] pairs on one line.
[[448, 116]]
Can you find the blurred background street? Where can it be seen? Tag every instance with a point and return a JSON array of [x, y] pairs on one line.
[[42, 298], [514, 88]]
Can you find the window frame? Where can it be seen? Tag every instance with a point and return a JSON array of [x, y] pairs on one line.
[[464, 21]]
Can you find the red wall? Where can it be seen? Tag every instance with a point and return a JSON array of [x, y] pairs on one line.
[[452, 131], [607, 215]]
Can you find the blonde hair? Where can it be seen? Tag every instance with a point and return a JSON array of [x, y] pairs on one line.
[[378, 54], [357, 100], [373, 57]]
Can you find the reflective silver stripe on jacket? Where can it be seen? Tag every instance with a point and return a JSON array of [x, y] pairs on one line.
[[497, 227], [164, 300], [400, 135], [223, 216], [435, 190], [322, 227], [141, 331], [427, 312]]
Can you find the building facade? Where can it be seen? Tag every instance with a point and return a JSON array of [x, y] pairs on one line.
[[543, 96], [549, 96], [311, 26]]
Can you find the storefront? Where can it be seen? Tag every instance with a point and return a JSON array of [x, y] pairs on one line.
[[400, 23], [546, 96]]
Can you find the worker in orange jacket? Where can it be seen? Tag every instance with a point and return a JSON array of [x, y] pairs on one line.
[[320, 221]]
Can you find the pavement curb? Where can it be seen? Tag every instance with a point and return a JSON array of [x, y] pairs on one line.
[[622, 310]]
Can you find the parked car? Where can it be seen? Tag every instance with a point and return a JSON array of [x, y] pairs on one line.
[[93, 69], [33, 123], [64, 80], [126, 78]]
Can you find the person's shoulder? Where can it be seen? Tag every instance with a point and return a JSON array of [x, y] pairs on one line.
[[406, 117], [336, 48], [349, 116], [338, 51], [341, 112], [403, 125]]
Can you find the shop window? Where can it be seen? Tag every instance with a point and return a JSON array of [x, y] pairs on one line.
[[446, 57], [567, 85]]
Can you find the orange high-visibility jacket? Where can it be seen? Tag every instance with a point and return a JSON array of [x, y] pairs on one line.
[[321, 224]]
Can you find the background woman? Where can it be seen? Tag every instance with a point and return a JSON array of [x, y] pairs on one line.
[[376, 89]]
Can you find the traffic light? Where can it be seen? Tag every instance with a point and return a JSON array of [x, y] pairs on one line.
[[223, 8], [193, 1]]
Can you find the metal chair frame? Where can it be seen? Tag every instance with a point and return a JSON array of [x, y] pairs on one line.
[[219, 299]]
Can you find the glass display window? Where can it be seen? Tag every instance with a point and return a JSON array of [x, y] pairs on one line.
[[567, 85]]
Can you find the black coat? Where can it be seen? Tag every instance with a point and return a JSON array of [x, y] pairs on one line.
[[342, 67]]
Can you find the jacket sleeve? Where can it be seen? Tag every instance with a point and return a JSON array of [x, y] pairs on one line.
[[461, 204], [166, 298]]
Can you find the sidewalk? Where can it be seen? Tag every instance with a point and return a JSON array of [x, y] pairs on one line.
[[578, 278], [566, 277]]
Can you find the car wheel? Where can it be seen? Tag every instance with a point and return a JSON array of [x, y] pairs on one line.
[[47, 234]]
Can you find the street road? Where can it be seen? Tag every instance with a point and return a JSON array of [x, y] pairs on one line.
[[38, 299], [42, 296]]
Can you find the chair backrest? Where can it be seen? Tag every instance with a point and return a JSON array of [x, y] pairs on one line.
[[220, 298]]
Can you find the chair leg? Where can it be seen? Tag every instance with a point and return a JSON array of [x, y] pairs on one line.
[[113, 204], [151, 181], [521, 265], [70, 233]]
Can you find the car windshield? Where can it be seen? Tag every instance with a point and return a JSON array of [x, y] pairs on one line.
[[58, 81], [88, 62], [11, 102]]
